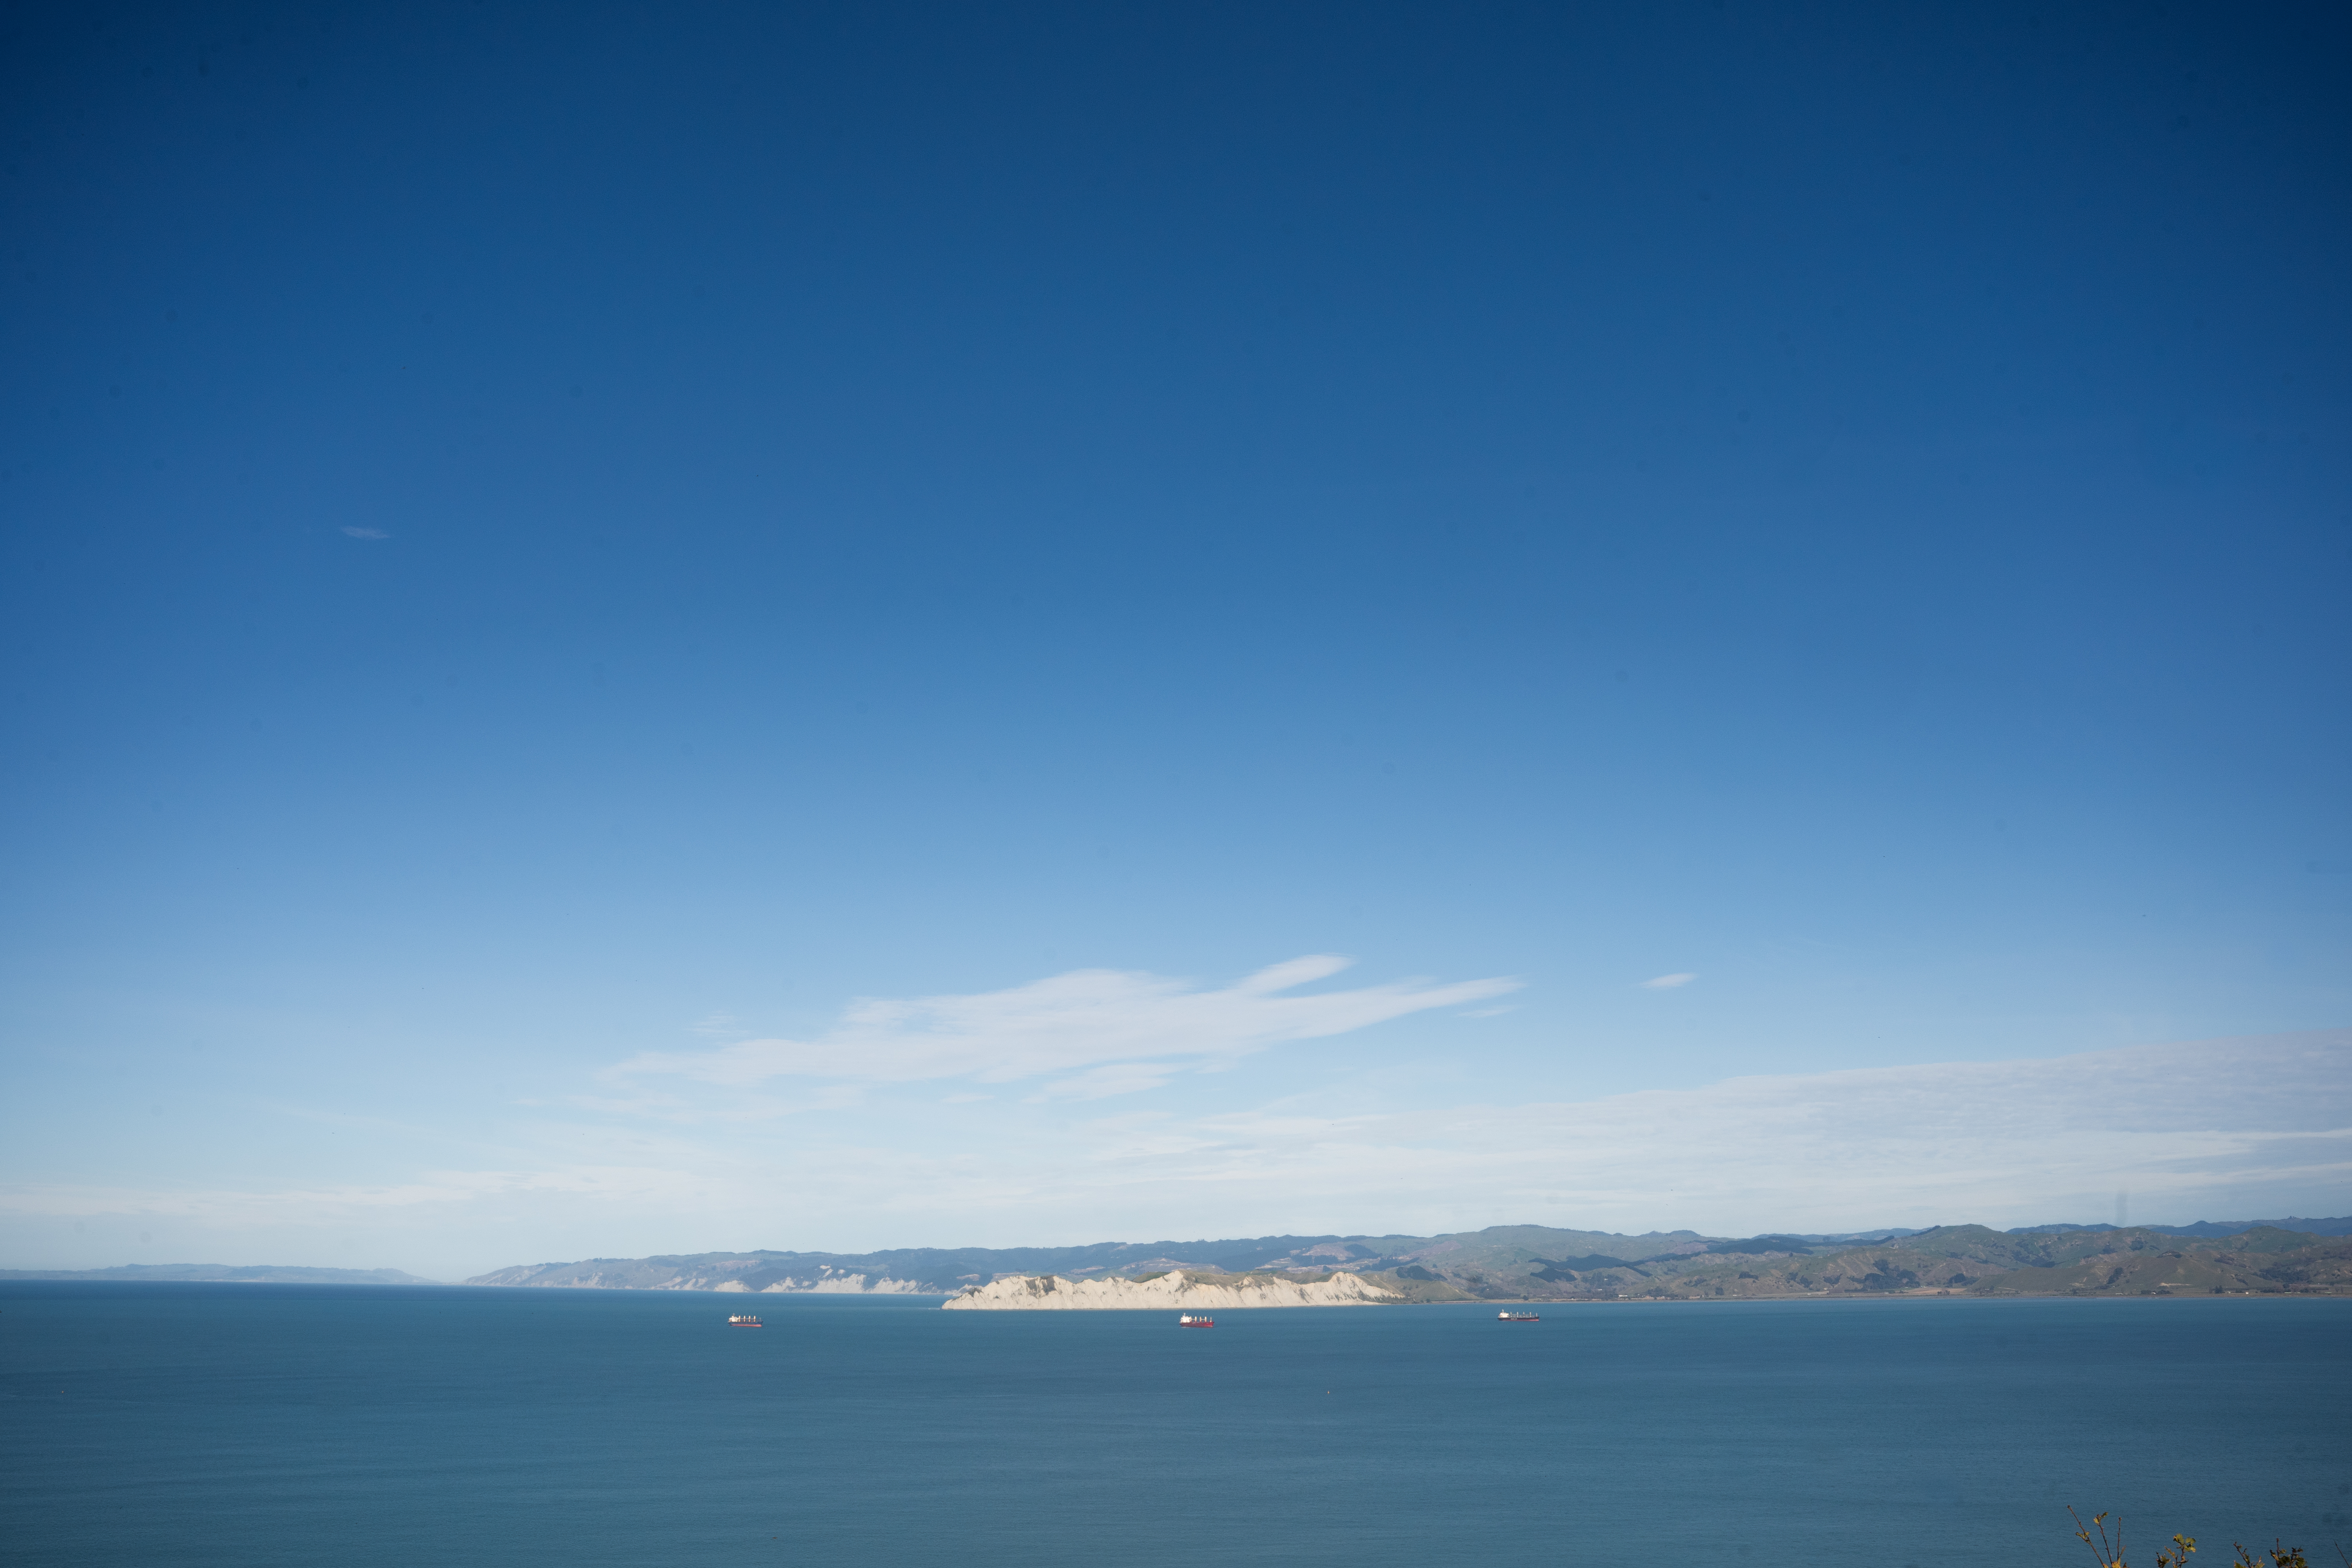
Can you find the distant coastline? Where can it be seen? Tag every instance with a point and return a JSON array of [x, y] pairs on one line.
[[1540, 1264], [1502, 1263], [223, 1274]]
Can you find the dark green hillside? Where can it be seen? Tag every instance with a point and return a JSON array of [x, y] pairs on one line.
[[1976, 1244], [1865, 1270], [2264, 1238], [2272, 1267], [1764, 1246], [1975, 1260]]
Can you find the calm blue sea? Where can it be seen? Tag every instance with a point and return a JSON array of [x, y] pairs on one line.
[[269, 1424]]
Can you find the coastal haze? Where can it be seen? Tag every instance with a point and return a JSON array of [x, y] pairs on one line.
[[2261, 1126]]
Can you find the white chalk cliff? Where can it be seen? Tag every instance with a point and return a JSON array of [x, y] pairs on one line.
[[829, 1283], [1174, 1290]]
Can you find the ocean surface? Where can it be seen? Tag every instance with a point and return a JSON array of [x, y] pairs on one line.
[[361, 1425]]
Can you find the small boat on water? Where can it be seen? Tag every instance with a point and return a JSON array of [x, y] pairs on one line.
[[1517, 1318], [1194, 1320], [744, 1322]]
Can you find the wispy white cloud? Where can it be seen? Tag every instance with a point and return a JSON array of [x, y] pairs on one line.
[[636, 1100], [1069, 1023], [1102, 1082], [1668, 982]]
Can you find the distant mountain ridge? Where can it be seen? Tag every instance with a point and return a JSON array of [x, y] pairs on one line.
[[1499, 1263], [1974, 1260], [1540, 1263], [223, 1273], [939, 1270], [2342, 1227]]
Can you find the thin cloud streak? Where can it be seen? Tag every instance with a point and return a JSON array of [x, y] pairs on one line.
[[1100, 1083], [1085, 1019], [1668, 982]]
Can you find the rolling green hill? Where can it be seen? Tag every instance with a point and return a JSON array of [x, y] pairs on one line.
[[1970, 1259]]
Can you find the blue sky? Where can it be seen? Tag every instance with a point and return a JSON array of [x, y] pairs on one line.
[[922, 547]]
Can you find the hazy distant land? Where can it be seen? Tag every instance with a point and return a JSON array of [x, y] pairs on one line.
[[1501, 1263], [1537, 1263], [223, 1273]]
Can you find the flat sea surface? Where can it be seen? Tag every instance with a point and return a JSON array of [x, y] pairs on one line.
[[284, 1425]]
